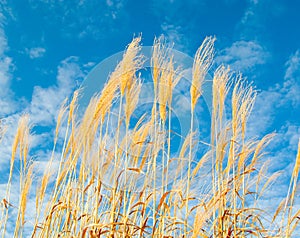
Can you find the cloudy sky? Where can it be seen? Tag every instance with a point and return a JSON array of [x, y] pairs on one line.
[[47, 47]]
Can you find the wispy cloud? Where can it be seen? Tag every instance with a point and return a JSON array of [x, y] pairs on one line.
[[243, 56], [43, 108], [7, 103], [47, 101], [291, 85], [274, 104], [253, 24], [5, 61], [94, 19], [36, 52], [264, 113], [174, 35], [293, 66]]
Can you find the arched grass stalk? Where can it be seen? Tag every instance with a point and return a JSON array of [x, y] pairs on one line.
[[202, 63]]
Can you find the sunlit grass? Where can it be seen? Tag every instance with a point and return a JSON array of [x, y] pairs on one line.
[[113, 187]]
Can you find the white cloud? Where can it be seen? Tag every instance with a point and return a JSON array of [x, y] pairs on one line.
[[243, 55], [291, 85], [173, 35], [264, 112], [5, 62], [89, 64], [271, 102], [44, 105], [43, 109], [284, 150], [249, 13], [47, 101], [5, 65], [8, 104], [291, 134], [36, 52], [285, 95], [293, 66]]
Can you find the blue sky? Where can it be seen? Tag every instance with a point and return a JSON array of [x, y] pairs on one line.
[[47, 47], [258, 38]]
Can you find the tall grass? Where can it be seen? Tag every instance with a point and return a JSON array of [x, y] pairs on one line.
[[112, 186]]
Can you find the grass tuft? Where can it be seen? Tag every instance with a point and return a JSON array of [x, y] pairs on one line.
[[111, 185]]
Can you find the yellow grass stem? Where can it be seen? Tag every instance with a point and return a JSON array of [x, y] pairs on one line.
[[22, 131]]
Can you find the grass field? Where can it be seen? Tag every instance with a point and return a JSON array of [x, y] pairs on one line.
[[132, 184]]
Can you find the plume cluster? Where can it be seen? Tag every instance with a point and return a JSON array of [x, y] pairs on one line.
[[112, 186]]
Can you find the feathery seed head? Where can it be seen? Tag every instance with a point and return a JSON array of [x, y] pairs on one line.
[[202, 63]]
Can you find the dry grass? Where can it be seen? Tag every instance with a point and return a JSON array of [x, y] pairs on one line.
[[93, 196]]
